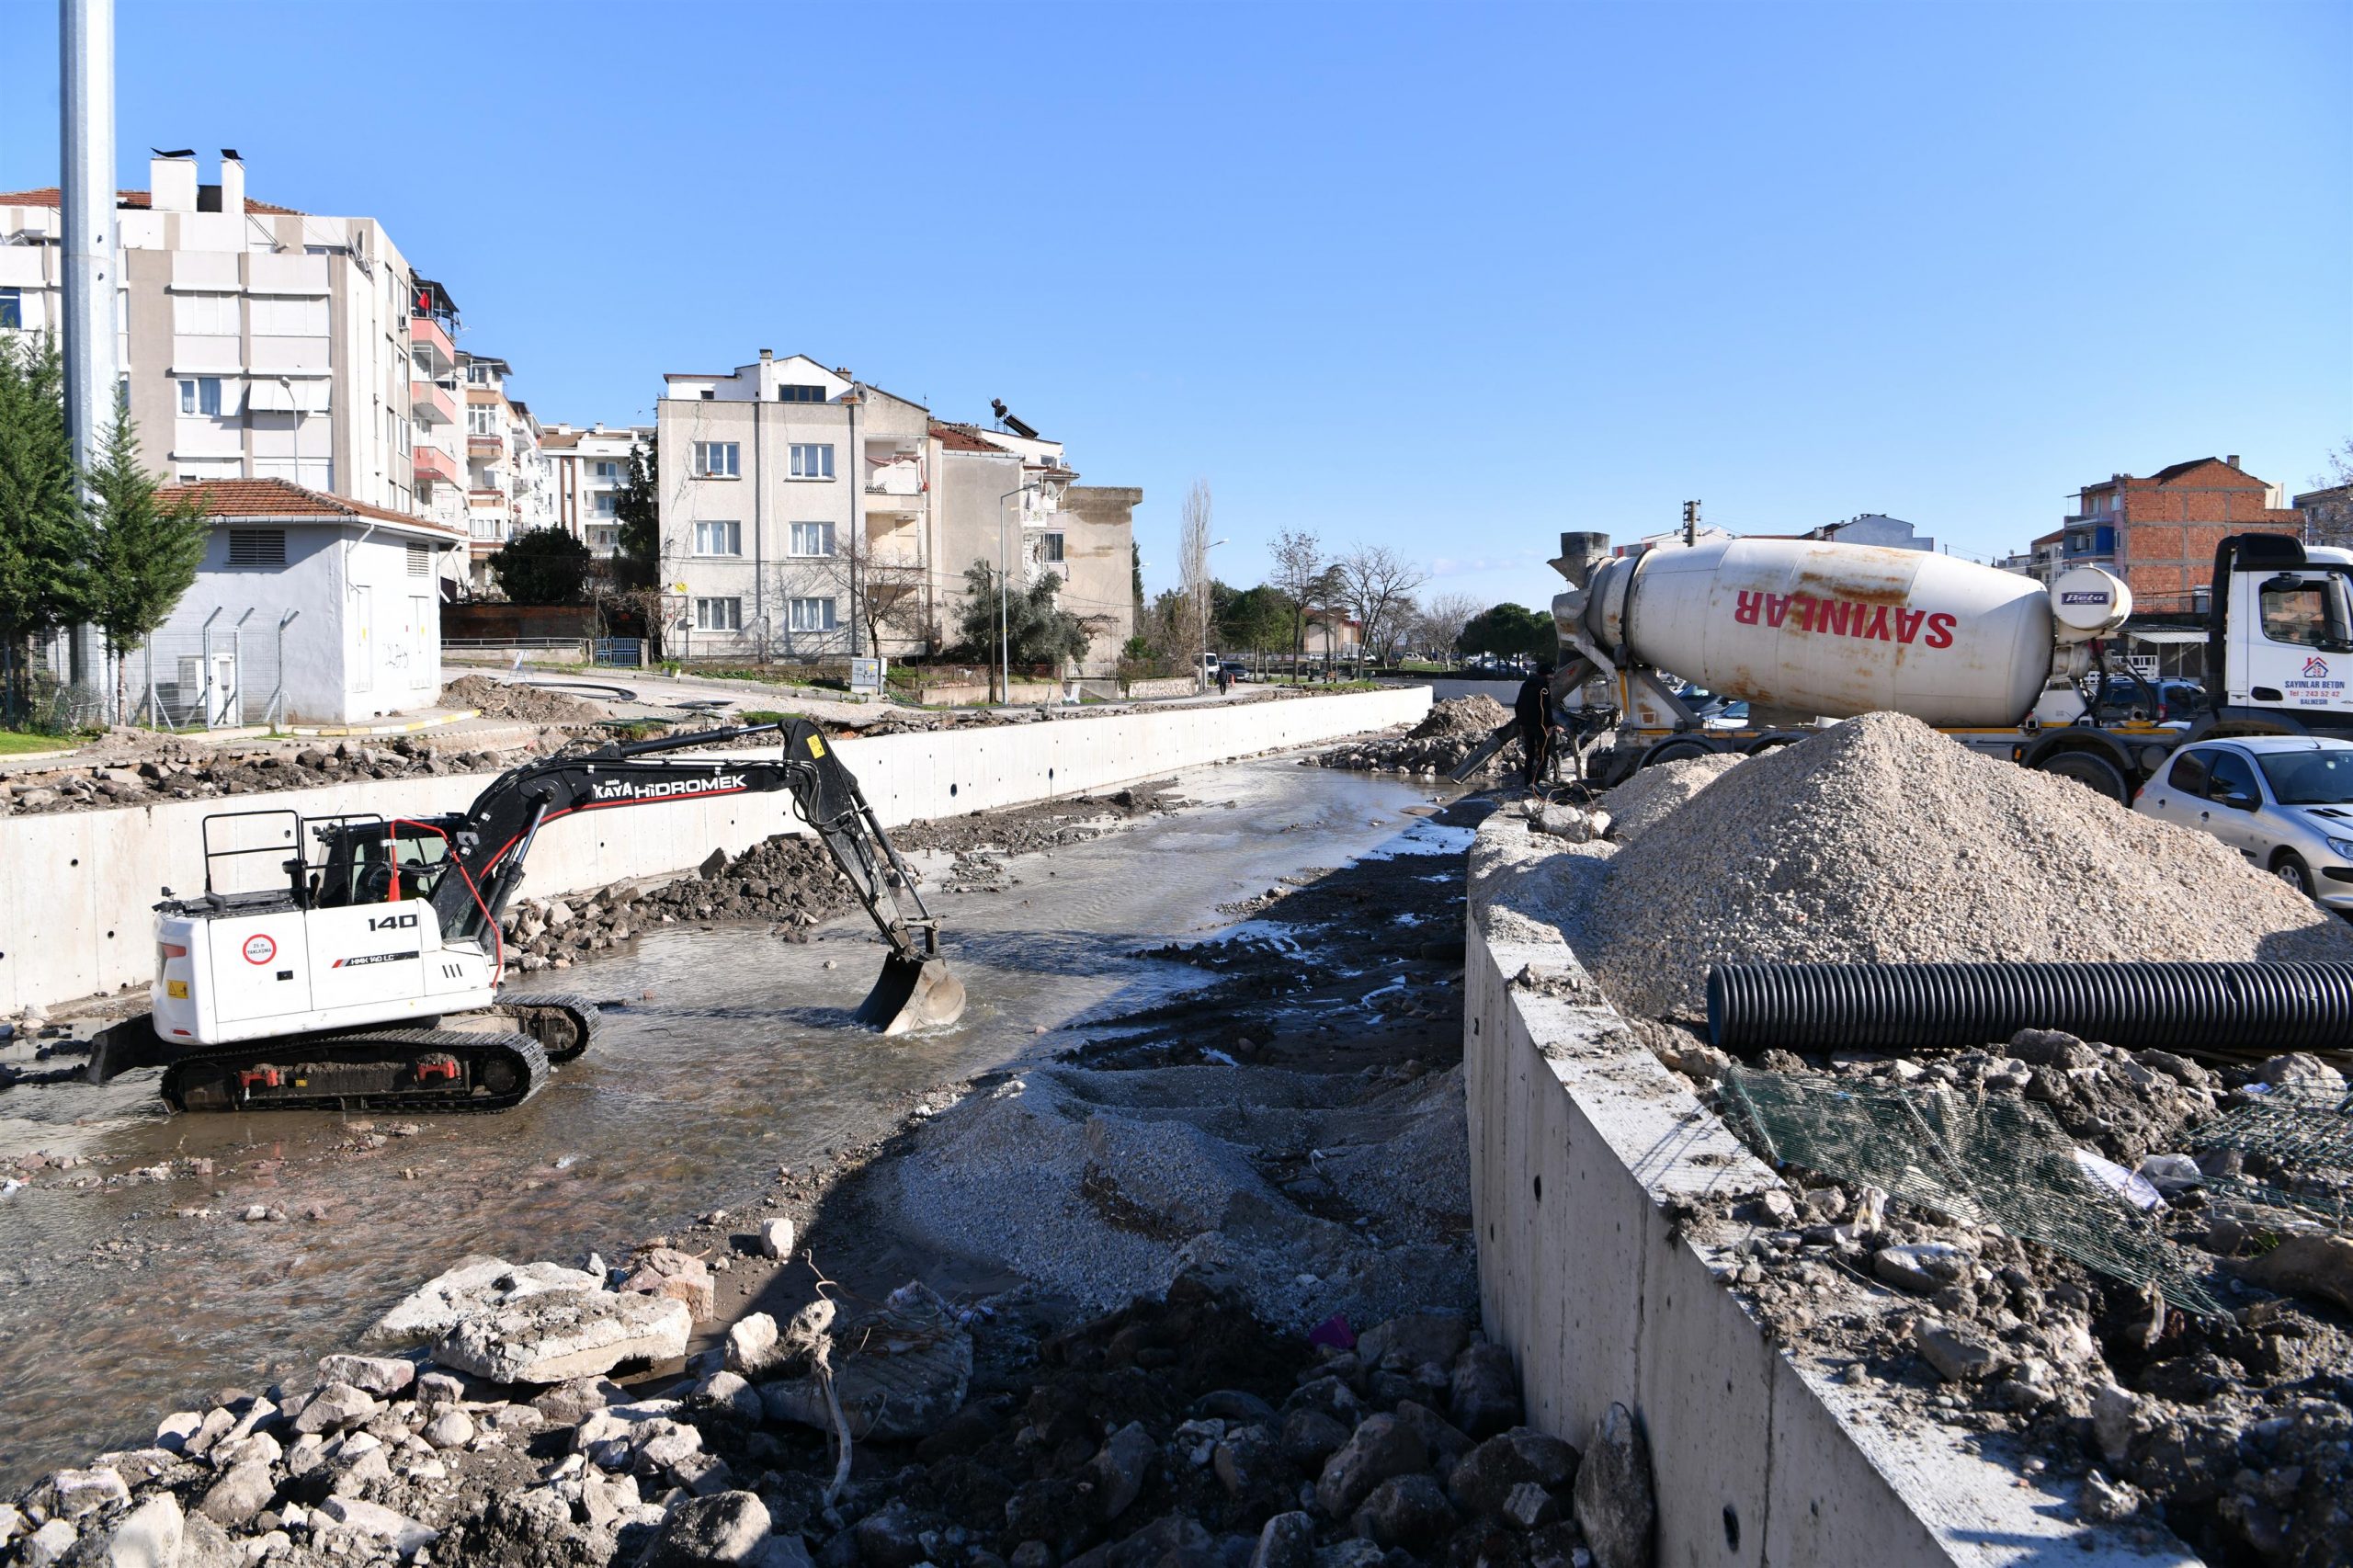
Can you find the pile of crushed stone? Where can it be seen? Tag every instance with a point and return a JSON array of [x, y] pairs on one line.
[[1878, 840], [1656, 792], [1451, 731], [531, 704]]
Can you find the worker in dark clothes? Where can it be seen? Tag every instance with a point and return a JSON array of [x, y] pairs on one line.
[[1535, 728]]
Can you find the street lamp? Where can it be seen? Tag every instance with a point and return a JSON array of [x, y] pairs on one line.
[[1201, 666], [1004, 571]]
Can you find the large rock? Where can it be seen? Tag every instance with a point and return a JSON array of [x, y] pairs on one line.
[[1120, 1468], [476, 1285], [245, 1491], [665, 1271], [148, 1536], [204, 1544], [1615, 1506], [552, 1337], [75, 1493], [50, 1543], [1415, 1339], [705, 1532], [1410, 1511], [382, 1376], [403, 1534], [1380, 1447], [1482, 1396], [1286, 1541], [751, 1345], [1483, 1482], [2308, 1264], [336, 1408]]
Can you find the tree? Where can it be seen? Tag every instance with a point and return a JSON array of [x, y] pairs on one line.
[[1443, 620], [543, 566], [1302, 573], [637, 509], [143, 555], [885, 591], [44, 530], [1036, 631], [2330, 521], [1251, 620], [1508, 630], [1193, 568], [1377, 584]]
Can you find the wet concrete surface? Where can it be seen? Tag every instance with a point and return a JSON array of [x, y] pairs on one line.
[[727, 1053]]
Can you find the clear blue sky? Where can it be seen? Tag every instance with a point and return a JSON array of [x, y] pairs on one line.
[[1449, 277]]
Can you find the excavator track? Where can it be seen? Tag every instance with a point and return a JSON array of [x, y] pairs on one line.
[[442, 1070], [563, 1023]]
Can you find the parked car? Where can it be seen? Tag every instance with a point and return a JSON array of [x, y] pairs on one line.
[[2283, 801], [1726, 716], [2157, 701]]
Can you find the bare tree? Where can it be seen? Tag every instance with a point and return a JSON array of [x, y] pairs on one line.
[[1193, 566], [1376, 583], [878, 592], [1443, 620], [2329, 519], [1300, 569]]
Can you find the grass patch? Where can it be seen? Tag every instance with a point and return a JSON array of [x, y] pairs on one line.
[[17, 742]]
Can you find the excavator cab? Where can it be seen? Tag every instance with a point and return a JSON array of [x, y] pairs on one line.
[[367, 860]]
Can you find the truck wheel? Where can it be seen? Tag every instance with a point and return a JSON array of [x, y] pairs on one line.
[[2093, 771], [2290, 868], [1677, 750]]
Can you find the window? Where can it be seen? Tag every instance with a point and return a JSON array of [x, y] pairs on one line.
[[719, 539], [478, 375], [201, 395], [610, 472], [2297, 609], [256, 546], [813, 615], [799, 394], [1050, 547], [717, 460], [205, 315], [2230, 775], [812, 538], [2189, 773], [12, 307], [481, 419], [719, 615], [812, 463], [420, 559], [276, 316], [605, 504], [709, 395]]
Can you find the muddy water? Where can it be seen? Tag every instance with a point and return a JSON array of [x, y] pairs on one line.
[[117, 1305]]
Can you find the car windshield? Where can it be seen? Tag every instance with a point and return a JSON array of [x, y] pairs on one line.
[[2310, 777]]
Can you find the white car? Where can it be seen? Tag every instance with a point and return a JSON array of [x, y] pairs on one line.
[[2283, 801]]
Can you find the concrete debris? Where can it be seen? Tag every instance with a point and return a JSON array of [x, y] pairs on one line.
[[1615, 1506], [505, 699], [1449, 732], [552, 1337], [475, 1284]]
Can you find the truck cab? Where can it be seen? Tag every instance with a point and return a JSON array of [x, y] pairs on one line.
[[2284, 613]]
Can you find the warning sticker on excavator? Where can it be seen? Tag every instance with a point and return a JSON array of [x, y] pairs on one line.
[[816, 747], [260, 950]]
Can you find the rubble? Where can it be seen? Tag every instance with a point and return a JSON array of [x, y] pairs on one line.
[[1449, 732], [509, 699]]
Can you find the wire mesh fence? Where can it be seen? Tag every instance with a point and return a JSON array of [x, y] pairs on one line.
[[226, 672], [1995, 1159], [2295, 1150]]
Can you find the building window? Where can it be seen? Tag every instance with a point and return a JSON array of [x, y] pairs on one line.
[[12, 307], [813, 615], [605, 504], [812, 463], [420, 559], [710, 395], [478, 375], [812, 538], [610, 472], [719, 539], [201, 395], [717, 460], [256, 546], [482, 420], [799, 394], [282, 316], [205, 315], [719, 615], [1050, 547]]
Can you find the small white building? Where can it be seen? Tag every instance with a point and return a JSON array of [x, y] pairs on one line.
[[309, 609]]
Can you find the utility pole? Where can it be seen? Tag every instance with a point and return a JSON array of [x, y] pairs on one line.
[[1690, 523], [86, 33]]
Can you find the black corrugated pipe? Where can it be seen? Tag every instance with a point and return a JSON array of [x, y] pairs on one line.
[[2260, 1007]]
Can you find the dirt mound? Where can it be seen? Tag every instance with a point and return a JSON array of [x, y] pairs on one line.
[[1451, 731], [1474, 716], [1878, 840], [1655, 793], [498, 700]]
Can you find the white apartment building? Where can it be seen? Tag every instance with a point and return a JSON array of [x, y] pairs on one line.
[[256, 342], [507, 489], [586, 470], [797, 498]]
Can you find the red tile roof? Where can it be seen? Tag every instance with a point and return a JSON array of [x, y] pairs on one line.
[[284, 499], [964, 439], [49, 196]]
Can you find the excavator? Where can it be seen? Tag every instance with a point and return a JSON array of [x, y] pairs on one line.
[[370, 977]]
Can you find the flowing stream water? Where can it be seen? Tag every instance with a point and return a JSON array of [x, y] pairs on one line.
[[729, 1052]]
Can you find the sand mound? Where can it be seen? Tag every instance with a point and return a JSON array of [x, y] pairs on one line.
[[498, 700], [1656, 792], [1880, 840]]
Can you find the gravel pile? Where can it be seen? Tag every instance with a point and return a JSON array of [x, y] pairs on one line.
[[1451, 731], [1878, 840], [501, 699], [1655, 793]]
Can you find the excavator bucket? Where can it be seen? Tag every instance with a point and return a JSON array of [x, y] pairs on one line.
[[913, 993]]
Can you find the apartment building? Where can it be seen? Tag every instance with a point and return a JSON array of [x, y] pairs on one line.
[[2327, 514], [587, 470], [507, 488], [2159, 533], [808, 514], [257, 342]]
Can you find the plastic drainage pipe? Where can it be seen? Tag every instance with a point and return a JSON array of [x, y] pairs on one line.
[[2257, 1007]]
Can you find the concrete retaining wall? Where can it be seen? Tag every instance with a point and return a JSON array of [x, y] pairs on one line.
[[76, 887], [1579, 1142]]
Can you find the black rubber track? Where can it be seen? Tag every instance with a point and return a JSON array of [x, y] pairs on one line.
[[520, 1053], [582, 1010], [2260, 1008]]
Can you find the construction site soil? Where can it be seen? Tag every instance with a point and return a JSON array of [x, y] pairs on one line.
[[1433, 749]]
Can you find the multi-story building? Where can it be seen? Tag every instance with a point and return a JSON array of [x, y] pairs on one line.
[[587, 470], [1875, 528], [507, 489], [2327, 515], [2159, 533], [2042, 560], [256, 341], [808, 514]]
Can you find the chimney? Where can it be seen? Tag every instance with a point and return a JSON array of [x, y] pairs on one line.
[[171, 184], [233, 182], [767, 353], [2233, 460]]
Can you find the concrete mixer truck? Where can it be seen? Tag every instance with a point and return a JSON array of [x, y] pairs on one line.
[[1805, 630]]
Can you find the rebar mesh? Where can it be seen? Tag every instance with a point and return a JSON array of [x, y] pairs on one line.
[[1995, 1160], [2296, 1143]]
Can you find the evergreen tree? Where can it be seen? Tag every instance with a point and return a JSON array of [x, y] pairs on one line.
[[143, 555], [1035, 630], [44, 532], [637, 507], [543, 566]]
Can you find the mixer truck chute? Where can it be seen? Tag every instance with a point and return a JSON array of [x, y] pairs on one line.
[[1806, 629]]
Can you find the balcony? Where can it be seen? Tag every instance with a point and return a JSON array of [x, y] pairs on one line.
[[487, 530], [429, 344], [479, 498], [430, 405], [489, 446], [435, 465], [894, 500]]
